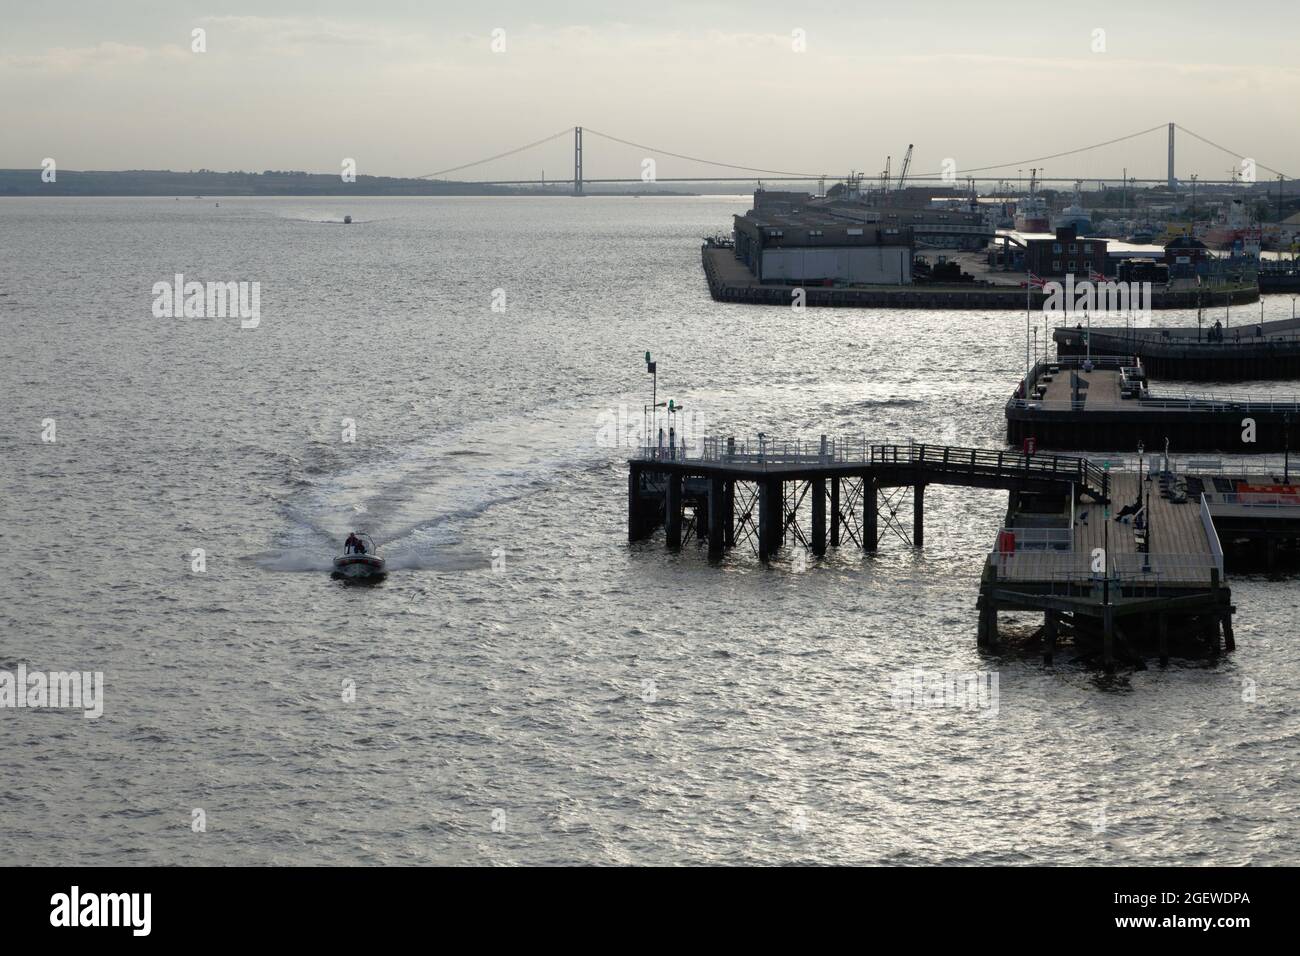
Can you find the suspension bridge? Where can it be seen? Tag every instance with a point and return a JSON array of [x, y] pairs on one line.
[[996, 172]]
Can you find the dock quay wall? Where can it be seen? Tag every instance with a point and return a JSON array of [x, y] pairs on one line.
[[748, 291], [1188, 430]]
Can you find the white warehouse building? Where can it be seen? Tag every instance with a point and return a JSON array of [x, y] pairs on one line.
[[797, 247]]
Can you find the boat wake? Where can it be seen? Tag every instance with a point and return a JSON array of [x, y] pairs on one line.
[[417, 502]]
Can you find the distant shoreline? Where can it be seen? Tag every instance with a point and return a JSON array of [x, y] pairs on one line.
[[150, 183]]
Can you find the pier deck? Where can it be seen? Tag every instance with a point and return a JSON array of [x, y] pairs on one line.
[[1180, 548], [1101, 418]]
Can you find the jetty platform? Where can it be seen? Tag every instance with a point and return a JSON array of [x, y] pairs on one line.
[[1247, 350], [1125, 573], [1061, 551], [1105, 403]]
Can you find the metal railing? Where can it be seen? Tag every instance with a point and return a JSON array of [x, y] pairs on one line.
[[1039, 539], [1191, 568], [1212, 533], [1043, 565], [770, 453], [1076, 568], [1253, 499], [1186, 402]]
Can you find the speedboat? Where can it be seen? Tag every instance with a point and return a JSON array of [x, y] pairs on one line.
[[362, 567]]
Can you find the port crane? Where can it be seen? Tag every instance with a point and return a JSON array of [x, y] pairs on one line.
[[907, 162]]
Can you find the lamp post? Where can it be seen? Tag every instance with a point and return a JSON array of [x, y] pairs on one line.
[[652, 368]]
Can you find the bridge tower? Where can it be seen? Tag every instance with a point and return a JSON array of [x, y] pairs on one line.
[[1171, 156], [577, 160]]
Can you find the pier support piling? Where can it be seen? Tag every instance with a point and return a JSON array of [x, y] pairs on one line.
[[729, 513], [835, 512], [918, 516], [986, 634], [1049, 638], [717, 493], [635, 522], [1162, 635], [870, 514], [673, 510], [1108, 637], [770, 517], [819, 517], [1220, 618]]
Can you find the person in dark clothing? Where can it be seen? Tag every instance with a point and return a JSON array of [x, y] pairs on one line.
[[353, 544]]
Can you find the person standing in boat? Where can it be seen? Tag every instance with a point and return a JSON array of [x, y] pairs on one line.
[[353, 544]]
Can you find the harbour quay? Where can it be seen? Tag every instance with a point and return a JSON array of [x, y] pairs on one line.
[[1104, 403]]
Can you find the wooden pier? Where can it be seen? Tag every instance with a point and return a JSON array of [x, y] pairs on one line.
[[752, 492], [1124, 581], [1062, 553]]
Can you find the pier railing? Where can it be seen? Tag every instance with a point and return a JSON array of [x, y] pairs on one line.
[[1038, 539], [1212, 534], [1075, 568], [1253, 500], [944, 458], [1186, 402], [765, 454]]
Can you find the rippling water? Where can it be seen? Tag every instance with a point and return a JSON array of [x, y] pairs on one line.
[[528, 687]]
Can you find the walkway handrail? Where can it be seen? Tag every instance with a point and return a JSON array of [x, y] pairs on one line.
[[1216, 548], [765, 453], [1203, 402]]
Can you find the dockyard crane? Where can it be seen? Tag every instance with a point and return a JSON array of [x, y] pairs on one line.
[[907, 161]]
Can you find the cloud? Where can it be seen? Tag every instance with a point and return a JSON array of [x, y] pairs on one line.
[[73, 59]]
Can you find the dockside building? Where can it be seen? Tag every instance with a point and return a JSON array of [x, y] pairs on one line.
[[803, 247]]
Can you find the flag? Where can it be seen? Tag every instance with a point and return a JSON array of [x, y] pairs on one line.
[[1037, 281], [1094, 276]]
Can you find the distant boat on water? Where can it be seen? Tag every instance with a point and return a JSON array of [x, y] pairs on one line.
[[347, 220], [1074, 214]]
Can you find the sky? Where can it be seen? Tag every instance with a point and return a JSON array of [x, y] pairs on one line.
[[407, 88]]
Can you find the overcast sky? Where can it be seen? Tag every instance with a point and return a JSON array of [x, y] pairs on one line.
[[409, 88]]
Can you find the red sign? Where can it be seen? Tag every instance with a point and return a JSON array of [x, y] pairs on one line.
[[1245, 489]]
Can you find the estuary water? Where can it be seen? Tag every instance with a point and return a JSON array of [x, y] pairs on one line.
[[456, 377]]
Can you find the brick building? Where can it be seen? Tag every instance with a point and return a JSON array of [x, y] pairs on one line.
[[1064, 254]]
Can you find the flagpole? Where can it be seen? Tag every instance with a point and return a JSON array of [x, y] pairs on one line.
[[1028, 287]]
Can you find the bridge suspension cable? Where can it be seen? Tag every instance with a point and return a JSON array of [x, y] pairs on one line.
[[567, 131], [1231, 152], [696, 159], [1068, 152]]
